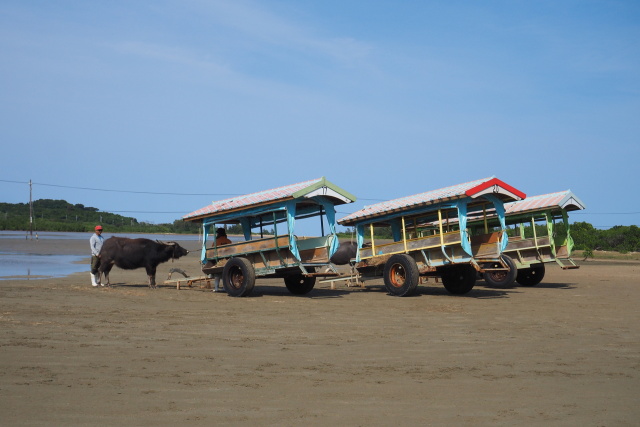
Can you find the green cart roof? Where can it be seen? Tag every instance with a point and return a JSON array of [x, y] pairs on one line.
[[268, 198]]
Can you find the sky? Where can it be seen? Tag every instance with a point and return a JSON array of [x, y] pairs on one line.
[[153, 109]]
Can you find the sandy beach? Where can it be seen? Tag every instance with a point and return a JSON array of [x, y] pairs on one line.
[[566, 352]]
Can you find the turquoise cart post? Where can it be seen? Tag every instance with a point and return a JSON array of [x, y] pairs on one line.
[[539, 233], [431, 238], [286, 253]]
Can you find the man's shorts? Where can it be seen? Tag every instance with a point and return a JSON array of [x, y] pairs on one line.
[[95, 264]]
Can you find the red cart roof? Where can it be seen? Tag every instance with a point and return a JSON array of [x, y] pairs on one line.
[[473, 189]]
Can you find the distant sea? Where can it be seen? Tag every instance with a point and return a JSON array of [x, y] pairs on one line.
[[15, 265], [81, 236], [30, 266]]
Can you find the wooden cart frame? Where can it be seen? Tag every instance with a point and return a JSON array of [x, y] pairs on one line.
[[534, 237], [296, 259], [430, 237]]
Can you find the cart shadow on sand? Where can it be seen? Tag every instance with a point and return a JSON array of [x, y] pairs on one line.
[[426, 291], [482, 290], [260, 291], [475, 293], [520, 289], [422, 291]]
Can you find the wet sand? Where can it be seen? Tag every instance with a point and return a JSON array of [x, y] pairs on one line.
[[566, 352]]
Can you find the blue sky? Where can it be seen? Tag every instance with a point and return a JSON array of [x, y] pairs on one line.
[[202, 100]]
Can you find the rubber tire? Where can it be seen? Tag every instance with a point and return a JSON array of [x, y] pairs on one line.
[[459, 280], [500, 279], [238, 277], [531, 276], [401, 275], [299, 284]]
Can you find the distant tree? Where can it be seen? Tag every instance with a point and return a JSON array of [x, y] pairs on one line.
[[234, 229], [587, 253], [585, 236]]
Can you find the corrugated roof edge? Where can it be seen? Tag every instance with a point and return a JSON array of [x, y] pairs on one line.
[[269, 197], [566, 200], [474, 188]]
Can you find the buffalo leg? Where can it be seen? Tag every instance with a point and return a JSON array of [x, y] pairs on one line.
[[151, 272], [104, 270]]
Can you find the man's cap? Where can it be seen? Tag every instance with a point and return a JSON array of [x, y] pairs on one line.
[[98, 227]]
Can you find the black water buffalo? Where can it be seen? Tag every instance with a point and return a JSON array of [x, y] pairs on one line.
[[130, 254], [345, 253]]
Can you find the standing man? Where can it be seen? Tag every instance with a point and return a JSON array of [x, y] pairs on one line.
[[96, 242]]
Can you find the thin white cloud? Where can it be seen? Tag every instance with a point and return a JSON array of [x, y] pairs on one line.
[[262, 26], [177, 55]]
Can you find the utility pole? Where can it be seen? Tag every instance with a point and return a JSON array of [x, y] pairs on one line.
[[30, 209]]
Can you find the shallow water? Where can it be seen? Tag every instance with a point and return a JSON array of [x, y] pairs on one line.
[[81, 236], [16, 265]]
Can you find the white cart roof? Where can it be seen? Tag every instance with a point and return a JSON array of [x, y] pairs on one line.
[[562, 200]]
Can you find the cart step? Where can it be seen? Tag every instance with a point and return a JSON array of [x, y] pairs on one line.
[[571, 264]]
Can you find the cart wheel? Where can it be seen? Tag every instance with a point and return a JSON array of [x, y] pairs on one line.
[[531, 276], [299, 284], [460, 279], [502, 279], [401, 275], [238, 277]]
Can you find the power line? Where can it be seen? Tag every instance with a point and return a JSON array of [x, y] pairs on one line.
[[605, 213], [121, 191], [151, 212], [223, 194], [135, 192], [142, 192]]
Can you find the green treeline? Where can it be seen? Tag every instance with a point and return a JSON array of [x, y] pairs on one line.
[[59, 215], [621, 238]]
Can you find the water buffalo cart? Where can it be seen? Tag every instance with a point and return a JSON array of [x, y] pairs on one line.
[[430, 237], [273, 224], [539, 233]]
